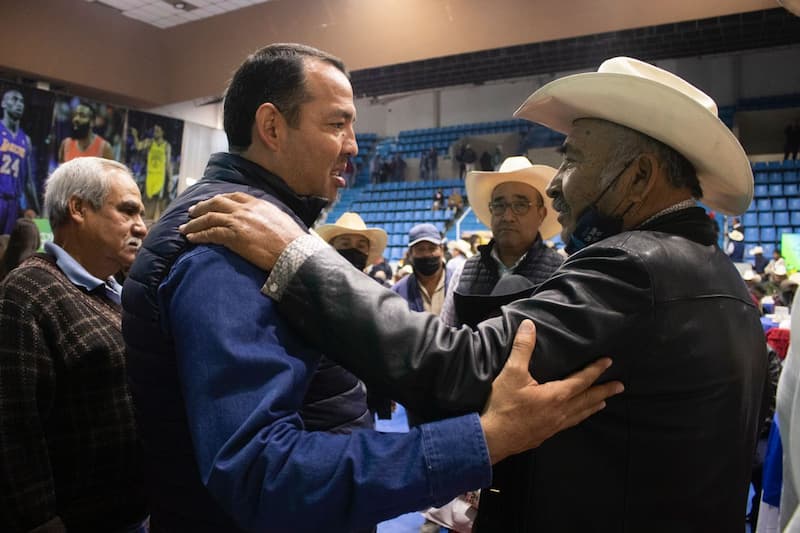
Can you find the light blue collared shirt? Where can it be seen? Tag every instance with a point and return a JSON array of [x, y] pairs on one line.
[[79, 276]]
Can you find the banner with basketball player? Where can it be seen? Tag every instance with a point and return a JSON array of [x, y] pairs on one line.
[[84, 128], [153, 152], [25, 130]]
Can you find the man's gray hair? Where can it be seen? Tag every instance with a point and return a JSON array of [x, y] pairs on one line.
[[630, 143], [84, 177]]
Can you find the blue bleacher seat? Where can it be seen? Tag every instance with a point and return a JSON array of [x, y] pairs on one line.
[[768, 234], [790, 176], [790, 189], [751, 234], [794, 204], [760, 177], [773, 165], [760, 165], [764, 204], [765, 218], [784, 229], [775, 177], [795, 218], [781, 218], [779, 204], [775, 189], [760, 190], [750, 219]]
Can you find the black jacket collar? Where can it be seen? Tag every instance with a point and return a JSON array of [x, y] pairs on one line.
[[234, 168], [691, 223]]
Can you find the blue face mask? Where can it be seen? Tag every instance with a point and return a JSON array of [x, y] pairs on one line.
[[593, 226]]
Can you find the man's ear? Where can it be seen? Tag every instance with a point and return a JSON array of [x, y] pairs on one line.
[[77, 209], [644, 178], [269, 126]]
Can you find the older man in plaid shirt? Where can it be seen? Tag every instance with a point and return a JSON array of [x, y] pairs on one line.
[[69, 451]]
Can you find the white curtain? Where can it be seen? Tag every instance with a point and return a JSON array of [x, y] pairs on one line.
[[199, 142]]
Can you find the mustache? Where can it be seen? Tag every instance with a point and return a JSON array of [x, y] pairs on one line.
[[559, 204], [135, 241], [506, 225]]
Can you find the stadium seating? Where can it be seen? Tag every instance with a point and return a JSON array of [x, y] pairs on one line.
[[776, 207]]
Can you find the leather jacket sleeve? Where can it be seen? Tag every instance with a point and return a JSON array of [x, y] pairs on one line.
[[440, 371]]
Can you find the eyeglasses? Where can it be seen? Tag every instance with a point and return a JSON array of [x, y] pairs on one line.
[[518, 207]]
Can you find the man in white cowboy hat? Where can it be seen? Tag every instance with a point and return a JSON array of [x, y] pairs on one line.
[[735, 247], [759, 261], [512, 203], [459, 251], [646, 284]]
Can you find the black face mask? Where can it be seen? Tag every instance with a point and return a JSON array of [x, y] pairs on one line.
[[80, 131], [593, 226], [426, 266], [354, 257]]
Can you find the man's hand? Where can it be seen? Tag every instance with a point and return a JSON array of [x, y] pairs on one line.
[[521, 413], [254, 229]]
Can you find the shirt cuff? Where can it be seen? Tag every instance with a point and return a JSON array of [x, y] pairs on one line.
[[289, 262], [456, 455]]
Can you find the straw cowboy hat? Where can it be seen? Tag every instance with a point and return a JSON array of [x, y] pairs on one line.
[[518, 168], [351, 223], [736, 235], [659, 104]]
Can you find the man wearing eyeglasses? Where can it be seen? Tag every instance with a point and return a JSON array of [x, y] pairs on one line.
[[512, 203]]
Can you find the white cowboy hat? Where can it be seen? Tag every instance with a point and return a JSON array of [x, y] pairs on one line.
[[461, 245], [659, 104], [756, 250], [351, 223], [749, 275], [518, 168], [736, 235]]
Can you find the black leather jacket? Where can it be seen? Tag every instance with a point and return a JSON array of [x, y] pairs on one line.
[[672, 453]]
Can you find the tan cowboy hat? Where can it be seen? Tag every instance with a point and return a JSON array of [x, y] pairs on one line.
[[659, 104], [351, 223], [480, 185]]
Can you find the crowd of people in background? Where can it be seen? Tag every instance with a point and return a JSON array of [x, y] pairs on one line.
[[296, 400]]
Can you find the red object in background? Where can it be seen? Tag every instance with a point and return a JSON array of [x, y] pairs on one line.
[[778, 339]]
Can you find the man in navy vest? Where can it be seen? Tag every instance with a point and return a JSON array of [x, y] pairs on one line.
[[512, 203]]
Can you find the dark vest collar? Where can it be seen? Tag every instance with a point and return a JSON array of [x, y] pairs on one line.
[[234, 168], [485, 251]]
